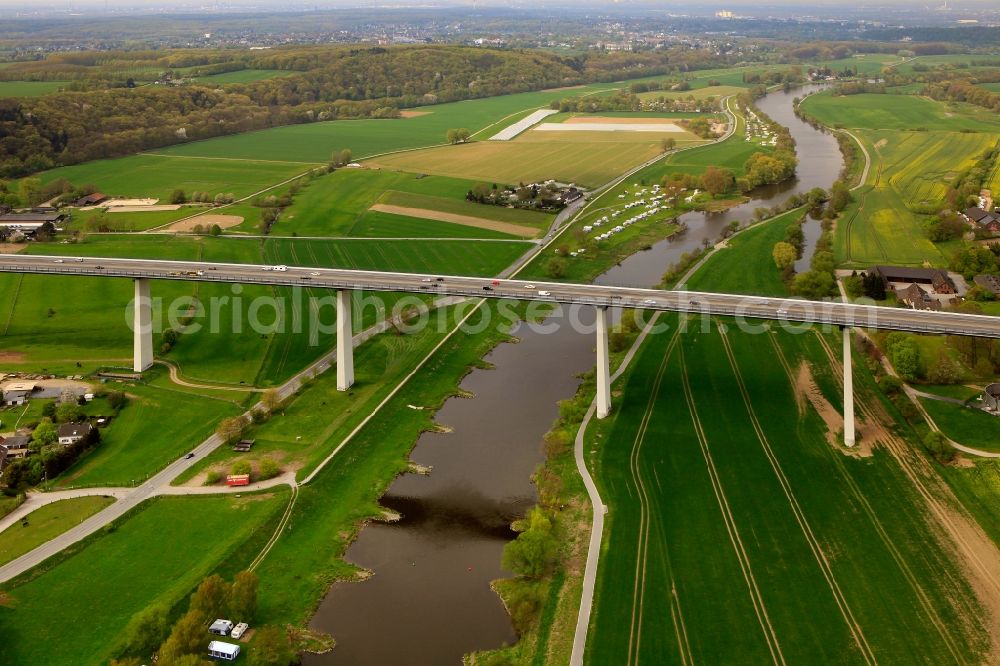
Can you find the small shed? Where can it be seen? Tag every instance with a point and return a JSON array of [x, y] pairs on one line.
[[223, 650]]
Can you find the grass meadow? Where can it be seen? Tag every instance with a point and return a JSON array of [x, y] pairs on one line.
[[73, 610], [244, 76], [338, 205], [46, 523], [898, 112], [157, 426], [968, 426], [314, 142], [30, 88], [157, 176]]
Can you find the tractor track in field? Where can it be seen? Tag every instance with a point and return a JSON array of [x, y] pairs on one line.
[[760, 609], [861, 202], [862, 500], [642, 545], [824, 564], [981, 554]]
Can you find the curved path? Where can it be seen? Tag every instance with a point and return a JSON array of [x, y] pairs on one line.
[[175, 377]]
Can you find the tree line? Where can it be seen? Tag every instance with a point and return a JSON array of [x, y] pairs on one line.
[[72, 127]]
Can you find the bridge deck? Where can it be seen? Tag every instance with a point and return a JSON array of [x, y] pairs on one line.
[[832, 313]]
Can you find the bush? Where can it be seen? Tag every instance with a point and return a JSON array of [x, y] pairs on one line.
[[241, 467], [935, 444], [269, 468], [213, 477]]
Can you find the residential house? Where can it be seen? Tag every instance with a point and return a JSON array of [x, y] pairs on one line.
[[983, 220], [71, 433], [13, 398], [917, 298], [16, 445]]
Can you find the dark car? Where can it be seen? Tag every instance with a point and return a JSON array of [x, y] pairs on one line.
[[189, 456], [487, 288], [440, 280]]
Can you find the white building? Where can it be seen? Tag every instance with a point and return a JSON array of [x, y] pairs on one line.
[[221, 650]]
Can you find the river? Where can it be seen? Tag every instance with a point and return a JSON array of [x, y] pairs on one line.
[[429, 600]]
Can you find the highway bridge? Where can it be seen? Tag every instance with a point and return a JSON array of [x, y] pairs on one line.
[[601, 297]]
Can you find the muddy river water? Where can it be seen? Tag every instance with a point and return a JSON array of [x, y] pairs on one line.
[[429, 600]]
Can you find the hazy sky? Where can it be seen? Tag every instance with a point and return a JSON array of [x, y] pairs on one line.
[[700, 6]]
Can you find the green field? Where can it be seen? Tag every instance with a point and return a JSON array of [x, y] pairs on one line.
[[314, 142], [994, 87], [156, 427], [129, 221], [46, 523], [910, 171], [715, 497], [157, 176], [73, 612], [244, 76], [971, 427], [898, 112], [30, 88], [725, 270], [338, 205]]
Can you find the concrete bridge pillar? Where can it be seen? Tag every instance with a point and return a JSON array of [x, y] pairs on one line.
[[849, 434], [345, 341], [603, 367], [142, 327]]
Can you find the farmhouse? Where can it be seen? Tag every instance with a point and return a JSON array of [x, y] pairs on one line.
[[991, 398], [71, 433], [990, 283], [16, 446], [983, 220], [221, 650], [939, 280]]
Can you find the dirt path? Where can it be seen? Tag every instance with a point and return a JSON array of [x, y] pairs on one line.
[[175, 377], [189, 223], [455, 218]]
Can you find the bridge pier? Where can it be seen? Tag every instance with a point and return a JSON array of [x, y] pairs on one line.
[[142, 327], [603, 367], [849, 434], [345, 341]]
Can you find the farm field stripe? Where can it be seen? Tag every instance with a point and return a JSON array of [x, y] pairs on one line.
[[814, 545], [862, 500], [760, 609], [642, 545]]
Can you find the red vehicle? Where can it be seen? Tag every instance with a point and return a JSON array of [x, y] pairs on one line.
[[496, 283], [238, 480]]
